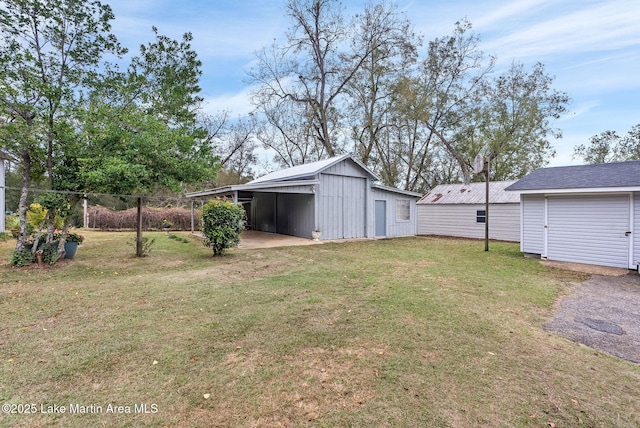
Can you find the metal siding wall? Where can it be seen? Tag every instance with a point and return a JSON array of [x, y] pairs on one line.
[[353, 207], [346, 168], [460, 220], [330, 210], [395, 228], [342, 207], [304, 189], [532, 224], [264, 212], [589, 229], [295, 214]]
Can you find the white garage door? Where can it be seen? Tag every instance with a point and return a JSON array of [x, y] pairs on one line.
[[589, 229]]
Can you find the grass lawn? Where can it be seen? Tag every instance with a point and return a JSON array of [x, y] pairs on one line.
[[415, 332]]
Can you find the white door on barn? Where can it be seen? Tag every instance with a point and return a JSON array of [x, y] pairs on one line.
[[593, 229]]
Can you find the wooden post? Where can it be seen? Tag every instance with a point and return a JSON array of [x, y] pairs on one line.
[[139, 249], [193, 220], [85, 211]]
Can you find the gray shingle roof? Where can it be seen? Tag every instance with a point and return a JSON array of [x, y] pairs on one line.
[[618, 174]]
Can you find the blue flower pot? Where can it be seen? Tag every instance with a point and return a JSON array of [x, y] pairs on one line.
[[70, 249]]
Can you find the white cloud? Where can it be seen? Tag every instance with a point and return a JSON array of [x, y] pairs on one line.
[[506, 11], [606, 26], [580, 110], [218, 29], [237, 103]]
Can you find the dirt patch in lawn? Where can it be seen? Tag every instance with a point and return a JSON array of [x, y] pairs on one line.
[[602, 313], [584, 268]]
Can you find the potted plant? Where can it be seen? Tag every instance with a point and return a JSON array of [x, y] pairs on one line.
[[315, 234], [13, 224], [71, 243]]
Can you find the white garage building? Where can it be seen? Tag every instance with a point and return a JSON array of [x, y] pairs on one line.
[[459, 210], [584, 214]]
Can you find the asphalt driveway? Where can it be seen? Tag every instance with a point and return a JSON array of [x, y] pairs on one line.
[[602, 313]]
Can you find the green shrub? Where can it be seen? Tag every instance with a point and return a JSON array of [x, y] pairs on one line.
[[35, 214], [22, 257], [221, 225], [12, 221], [147, 243]]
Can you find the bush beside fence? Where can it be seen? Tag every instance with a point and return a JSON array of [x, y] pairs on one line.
[[152, 218]]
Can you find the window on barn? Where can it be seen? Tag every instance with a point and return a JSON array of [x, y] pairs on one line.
[[481, 216], [403, 210]]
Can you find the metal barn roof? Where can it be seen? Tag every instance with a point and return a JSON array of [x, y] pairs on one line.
[[472, 193], [305, 174], [309, 170]]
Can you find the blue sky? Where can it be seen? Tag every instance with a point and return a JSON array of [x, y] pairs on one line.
[[592, 47]]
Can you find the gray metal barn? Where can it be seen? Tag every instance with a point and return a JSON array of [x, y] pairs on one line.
[[338, 196], [459, 210], [584, 214]]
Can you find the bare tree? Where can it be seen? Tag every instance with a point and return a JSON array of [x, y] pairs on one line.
[[289, 134], [239, 150], [389, 37], [414, 122], [234, 143], [312, 70], [450, 79]]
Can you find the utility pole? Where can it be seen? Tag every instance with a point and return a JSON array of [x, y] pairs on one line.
[[486, 205], [479, 166], [487, 177]]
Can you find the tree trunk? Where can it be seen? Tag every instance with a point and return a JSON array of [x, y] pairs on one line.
[[63, 239], [24, 193]]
